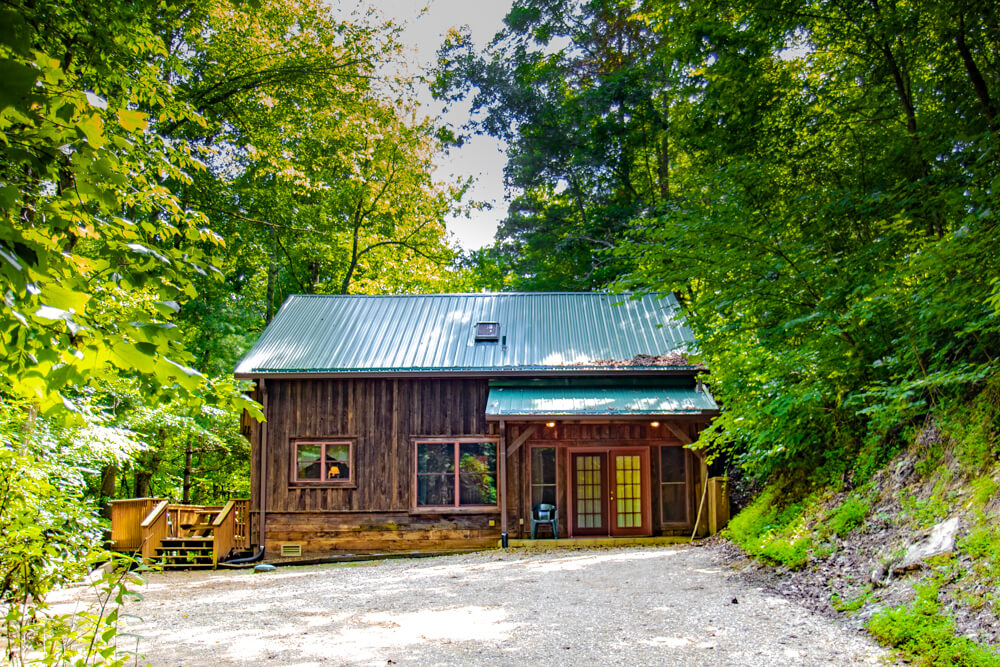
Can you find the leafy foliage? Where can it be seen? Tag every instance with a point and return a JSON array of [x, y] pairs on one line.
[[815, 181], [95, 252], [773, 529], [50, 536], [926, 636]]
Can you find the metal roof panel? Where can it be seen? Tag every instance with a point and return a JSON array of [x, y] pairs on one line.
[[596, 401], [539, 331]]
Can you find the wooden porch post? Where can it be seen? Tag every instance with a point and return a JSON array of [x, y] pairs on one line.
[[261, 514], [503, 483]]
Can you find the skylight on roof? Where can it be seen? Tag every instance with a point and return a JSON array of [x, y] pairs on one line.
[[487, 331]]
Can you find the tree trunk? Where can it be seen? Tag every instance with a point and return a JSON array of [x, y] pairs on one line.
[[187, 472], [976, 77], [108, 474], [272, 274], [148, 467]]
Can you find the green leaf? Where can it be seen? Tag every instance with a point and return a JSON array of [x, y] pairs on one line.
[[132, 120], [18, 80]]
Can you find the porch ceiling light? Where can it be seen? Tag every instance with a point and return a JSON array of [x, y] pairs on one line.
[[654, 424], [550, 424]]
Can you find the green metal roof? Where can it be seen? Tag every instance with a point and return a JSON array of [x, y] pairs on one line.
[[538, 332], [596, 401]]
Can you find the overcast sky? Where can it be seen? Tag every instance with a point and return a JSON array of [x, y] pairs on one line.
[[481, 157]]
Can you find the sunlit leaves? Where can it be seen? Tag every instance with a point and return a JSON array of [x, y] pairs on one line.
[[68, 176]]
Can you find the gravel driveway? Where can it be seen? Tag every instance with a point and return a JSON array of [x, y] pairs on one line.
[[625, 606]]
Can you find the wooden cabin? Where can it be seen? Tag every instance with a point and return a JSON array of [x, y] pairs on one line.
[[425, 422]]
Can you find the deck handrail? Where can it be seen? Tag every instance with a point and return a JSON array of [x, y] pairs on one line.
[[223, 513], [154, 530], [155, 513], [223, 532], [241, 533]]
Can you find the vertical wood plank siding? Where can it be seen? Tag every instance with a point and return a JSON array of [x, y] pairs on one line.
[[381, 416]]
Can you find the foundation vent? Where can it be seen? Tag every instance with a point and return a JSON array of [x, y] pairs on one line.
[[291, 550]]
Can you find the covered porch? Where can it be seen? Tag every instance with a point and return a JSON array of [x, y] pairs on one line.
[[611, 457]]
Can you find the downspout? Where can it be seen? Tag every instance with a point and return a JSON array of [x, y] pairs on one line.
[[263, 466], [503, 484]]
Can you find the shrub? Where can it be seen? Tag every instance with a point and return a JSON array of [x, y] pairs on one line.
[[768, 530], [849, 515], [926, 637]]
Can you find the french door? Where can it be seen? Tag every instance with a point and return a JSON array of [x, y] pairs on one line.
[[610, 492]]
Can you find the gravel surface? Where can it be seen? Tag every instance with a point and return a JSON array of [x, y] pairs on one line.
[[676, 605]]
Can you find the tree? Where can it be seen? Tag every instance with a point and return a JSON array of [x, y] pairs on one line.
[[95, 251], [821, 199], [578, 92], [319, 172]]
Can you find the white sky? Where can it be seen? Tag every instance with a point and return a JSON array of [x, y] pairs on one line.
[[425, 24]]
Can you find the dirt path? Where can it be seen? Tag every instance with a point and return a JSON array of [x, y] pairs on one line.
[[630, 606]]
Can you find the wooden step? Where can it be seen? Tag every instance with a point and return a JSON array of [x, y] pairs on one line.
[[181, 541]]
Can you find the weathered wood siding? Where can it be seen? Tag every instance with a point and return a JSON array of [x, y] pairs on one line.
[[382, 417]]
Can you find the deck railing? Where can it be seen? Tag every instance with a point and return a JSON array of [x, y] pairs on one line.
[[126, 517], [140, 525], [154, 528], [241, 511]]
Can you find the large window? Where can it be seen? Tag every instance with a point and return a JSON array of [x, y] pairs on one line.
[[543, 475], [673, 485], [456, 474], [324, 462]]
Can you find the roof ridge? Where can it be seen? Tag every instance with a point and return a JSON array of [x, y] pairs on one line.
[[440, 294]]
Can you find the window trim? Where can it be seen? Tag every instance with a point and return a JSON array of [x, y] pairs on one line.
[[350, 482], [456, 508], [686, 484], [531, 473]]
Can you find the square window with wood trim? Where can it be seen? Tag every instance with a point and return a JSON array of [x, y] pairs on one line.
[[459, 474], [323, 462]]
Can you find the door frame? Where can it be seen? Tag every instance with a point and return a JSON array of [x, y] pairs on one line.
[[604, 531], [610, 451]]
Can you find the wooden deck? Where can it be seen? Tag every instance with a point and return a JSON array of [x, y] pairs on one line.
[[178, 535]]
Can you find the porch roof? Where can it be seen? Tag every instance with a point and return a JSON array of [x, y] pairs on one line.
[[510, 402]]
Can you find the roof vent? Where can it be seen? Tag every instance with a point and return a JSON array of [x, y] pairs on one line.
[[488, 331]]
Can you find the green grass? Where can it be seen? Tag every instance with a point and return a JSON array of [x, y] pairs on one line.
[[772, 531], [847, 605], [982, 546], [924, 636], [849, 515], [983, 490], [924, 512]]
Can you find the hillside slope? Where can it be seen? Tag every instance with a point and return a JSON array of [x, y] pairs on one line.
[[864, 545]]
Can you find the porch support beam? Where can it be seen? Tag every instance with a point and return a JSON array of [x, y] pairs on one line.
[[521, 437], [678, 433], [262, 495]]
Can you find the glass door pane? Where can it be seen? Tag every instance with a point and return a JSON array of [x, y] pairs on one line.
[[629, 489], [628, 492], [589, 510]]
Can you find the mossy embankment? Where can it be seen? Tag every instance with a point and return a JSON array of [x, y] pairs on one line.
[[841, 543]]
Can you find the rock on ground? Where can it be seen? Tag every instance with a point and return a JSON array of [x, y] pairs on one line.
[[940, 541], [624, 606]]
